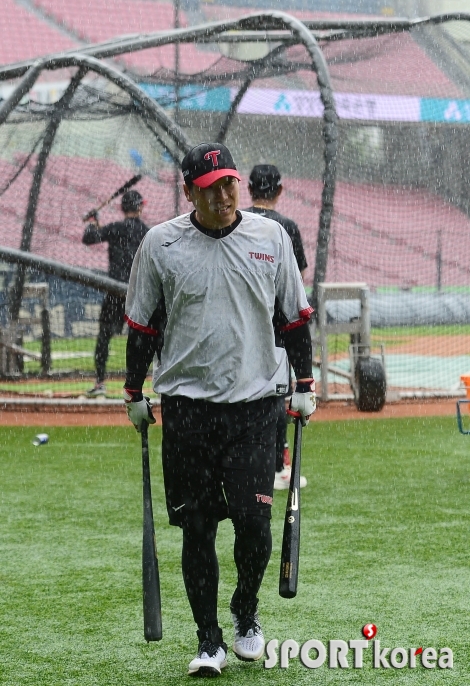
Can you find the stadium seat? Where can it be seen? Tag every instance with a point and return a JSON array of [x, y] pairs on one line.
[[24, 36], [105, 19]]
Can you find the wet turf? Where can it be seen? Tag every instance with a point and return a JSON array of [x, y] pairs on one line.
[[385, 523]]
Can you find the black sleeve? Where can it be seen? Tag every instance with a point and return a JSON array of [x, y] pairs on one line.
[[141, 348], [297, 342], [92, 235], [298, 248], [107, 232]]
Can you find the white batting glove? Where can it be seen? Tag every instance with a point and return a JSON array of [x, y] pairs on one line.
[[138, 408], [303, 402]]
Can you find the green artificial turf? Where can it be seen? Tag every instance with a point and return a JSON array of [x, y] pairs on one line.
[[72, 388], [385, 522], [79, 346], [339, 343]]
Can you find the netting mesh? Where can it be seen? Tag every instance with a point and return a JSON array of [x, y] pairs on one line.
[[401, 209]]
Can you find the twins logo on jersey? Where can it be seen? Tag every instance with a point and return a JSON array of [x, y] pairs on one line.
[[261, 256]]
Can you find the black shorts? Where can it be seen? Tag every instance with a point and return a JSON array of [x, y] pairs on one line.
[[218, 458]]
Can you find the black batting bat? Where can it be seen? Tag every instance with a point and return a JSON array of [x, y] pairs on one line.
[[120, 191], [150, 573], [289, 571]]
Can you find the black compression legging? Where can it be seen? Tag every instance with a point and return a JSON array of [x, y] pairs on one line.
[[111, 323], [252, 550]]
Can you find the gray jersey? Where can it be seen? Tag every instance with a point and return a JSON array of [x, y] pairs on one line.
[[219, 296]]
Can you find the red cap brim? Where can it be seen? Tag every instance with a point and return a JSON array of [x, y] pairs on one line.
[[208, 179]]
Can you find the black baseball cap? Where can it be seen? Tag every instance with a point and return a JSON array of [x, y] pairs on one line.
[[208, 162], [265, 178], [131, 201]]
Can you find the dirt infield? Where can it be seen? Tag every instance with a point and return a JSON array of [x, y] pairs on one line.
[[332, 411], [440, 346]]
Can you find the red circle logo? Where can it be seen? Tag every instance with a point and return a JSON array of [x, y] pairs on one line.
[[369, 631]]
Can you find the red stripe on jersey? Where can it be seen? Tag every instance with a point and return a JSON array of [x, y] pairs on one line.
[[140, 327], [305, 314], [304, 318]]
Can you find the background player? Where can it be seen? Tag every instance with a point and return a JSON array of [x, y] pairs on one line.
[[123, 239], [219, 273], [265, 189]]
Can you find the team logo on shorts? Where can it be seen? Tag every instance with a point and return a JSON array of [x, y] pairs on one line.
[[266, 499], [281, 388]]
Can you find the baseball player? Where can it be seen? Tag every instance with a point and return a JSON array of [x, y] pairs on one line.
[[213, 279], [265, 188], [123, 239]]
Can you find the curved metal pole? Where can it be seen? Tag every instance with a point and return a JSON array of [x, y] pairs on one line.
[[176, 169], [151, 108], [255, 72], [233, 107], [23, 87], [85, 64], [207, 32], [148, 105], [16, 293], [212, 31], [64, 271]]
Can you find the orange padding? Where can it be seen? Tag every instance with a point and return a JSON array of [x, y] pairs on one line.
[[465, 379]]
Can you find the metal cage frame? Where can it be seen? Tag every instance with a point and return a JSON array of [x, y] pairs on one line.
[[278, 27]]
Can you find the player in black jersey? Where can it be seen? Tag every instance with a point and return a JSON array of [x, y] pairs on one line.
[[123, 239], [265, 188]]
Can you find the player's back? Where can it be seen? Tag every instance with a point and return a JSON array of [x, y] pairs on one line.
[[123, 239], [292, 231]]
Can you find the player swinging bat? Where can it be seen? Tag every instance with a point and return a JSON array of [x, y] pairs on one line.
[[289, 571], [93, 213], [150, 572]]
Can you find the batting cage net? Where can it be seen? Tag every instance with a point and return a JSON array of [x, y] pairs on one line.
[[366, 119]]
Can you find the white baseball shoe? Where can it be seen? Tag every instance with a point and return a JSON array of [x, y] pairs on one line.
[[211, 656], [248, 644], [282, 479], [99, 389]]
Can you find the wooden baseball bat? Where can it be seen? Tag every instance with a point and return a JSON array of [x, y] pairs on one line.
[[120, 191], [150, 571], [289, 571]]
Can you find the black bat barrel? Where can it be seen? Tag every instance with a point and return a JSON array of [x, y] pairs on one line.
[[150, 571], [289, 570]]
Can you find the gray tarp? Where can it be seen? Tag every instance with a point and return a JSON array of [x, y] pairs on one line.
[[406, 309]]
